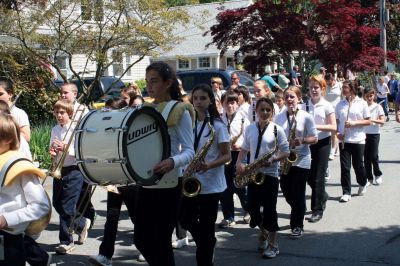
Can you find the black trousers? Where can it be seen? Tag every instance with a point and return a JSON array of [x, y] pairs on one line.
[[14, 250], [264, 195], [293, 187], [371, 156], [316, 179], [35, 255], [114, 204], [227, 204], [198, 216], [155, 219], [352, 154]]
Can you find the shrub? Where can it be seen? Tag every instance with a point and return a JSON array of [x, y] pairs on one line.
[[39, 143]]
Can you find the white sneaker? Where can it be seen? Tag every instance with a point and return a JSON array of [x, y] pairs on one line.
[[100, 260], [378, 180], [141, 258], [65, 249], [345, 198], [362, 190], [180, 243], [83, 235], [368, 183]]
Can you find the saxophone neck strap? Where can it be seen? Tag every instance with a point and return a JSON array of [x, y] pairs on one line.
[[198, 136], [260, 135]]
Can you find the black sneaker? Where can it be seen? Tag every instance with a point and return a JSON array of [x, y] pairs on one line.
[[315, 217], [297, 232]]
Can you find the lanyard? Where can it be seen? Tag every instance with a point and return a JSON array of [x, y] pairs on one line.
[[197, 137], [230, 121], [260, 134], [291, 122]]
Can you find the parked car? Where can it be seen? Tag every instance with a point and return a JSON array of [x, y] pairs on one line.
[[109, 87], [190, 78]]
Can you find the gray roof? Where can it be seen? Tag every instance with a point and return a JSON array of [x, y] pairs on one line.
[[203, 17]]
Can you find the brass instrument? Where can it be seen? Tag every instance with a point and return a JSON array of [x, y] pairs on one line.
[[289, 161], [191, 186], [250, 175], [347, 118], [55, 169]]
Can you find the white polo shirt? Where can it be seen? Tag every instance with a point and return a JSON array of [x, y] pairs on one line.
[[333, 94], [319, 111], [236, 126], [376, 110], [305, 128], [358, 111], [267, 144]]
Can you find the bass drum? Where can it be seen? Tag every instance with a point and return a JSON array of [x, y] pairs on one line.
[[121, 147]]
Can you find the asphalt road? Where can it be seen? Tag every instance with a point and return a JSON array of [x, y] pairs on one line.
[[365, 231]]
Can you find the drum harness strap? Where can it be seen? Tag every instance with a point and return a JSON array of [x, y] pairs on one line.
[[168, 108]]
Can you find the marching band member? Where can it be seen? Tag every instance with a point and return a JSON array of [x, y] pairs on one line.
[[157, 205], [69, 92], [218, 89], [66, 190], [352, 115], [6, 93], [123, 194], [371, 152], [300, 130], [236, 124], [260, 139], [244, 100], [324, 116], [199, 213], [261, 89], [127, 94], [22, 197]]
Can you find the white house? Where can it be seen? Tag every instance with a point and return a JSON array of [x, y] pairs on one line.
[[191, 52]]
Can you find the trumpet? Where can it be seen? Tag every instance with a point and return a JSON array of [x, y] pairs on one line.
[[55, 169], [191, 186]]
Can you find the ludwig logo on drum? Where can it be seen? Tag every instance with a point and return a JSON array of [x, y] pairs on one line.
[[143, 132]]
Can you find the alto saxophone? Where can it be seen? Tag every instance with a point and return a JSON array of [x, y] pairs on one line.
[[250, 175], [191, 186], [289, 161]]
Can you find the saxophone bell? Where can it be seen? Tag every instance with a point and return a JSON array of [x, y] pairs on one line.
[[259, 179], [191, 187]]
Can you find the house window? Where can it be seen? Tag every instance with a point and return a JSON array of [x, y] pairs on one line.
[[92, 10], [183, 64], [204, 62], [118, 66], [62, 63]]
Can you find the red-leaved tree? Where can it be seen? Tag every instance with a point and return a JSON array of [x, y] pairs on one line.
[[338, 32]]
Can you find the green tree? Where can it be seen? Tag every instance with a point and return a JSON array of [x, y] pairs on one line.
[[92, 30]]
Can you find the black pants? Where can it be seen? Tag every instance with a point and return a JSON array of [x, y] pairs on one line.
[[66, 193], [371, 156], [352, 152], [114, 203], [198, 216], [264, 195], [227, 204], [179, 230], [155, 219], [35, 255], [293, 187], [14, 250], [316, 179]]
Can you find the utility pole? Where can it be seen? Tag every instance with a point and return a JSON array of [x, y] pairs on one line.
[[383, 15]]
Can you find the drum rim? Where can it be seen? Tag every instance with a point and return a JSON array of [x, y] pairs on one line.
[[78, 148], [166, 144]]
